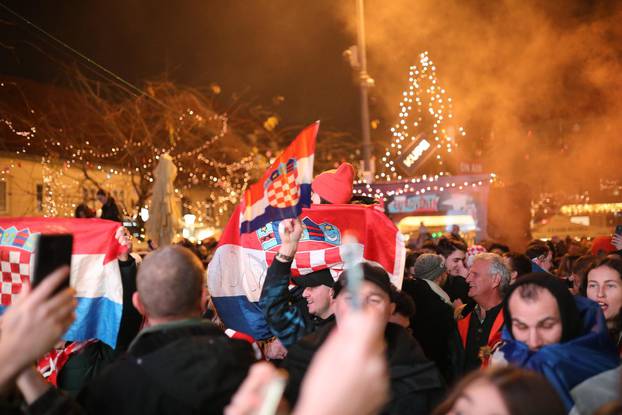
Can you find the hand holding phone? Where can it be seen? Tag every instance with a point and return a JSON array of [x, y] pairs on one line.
[[35, 321]]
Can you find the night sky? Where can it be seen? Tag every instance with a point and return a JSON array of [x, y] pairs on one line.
[[537, 85], [260, 49]]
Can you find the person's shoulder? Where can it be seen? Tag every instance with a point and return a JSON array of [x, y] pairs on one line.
[[395, 332], [114, 380], [427, 301], [191, 356], [160, 336], [593, 392], [304, 349], [406, 360], [317, 337], [457, 281], [401, 344], [415, 286], [408, 284]]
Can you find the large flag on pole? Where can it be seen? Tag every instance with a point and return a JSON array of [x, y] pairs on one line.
[[238, 269], [95, 271], [285, 188]]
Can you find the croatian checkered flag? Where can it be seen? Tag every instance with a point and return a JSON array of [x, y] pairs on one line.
[[95, 271], [238, 269], [285, 188]]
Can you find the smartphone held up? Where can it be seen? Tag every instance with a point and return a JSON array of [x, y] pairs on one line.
[[52, 251]]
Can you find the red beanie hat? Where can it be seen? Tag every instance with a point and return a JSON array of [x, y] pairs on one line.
[[602, 244], [335, 186]]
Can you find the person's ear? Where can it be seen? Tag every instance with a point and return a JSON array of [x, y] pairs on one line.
[[204, 299], [392, 308], [496, 280], [138, 304]]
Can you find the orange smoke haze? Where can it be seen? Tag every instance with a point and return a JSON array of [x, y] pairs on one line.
[[537, 85]]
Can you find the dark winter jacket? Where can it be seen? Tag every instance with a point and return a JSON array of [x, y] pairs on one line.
[[110, 210], [456, 287], [54, 402], [286, 312], [84, 365], [51, 402], [185, 367], [433, 324], [416, 384]]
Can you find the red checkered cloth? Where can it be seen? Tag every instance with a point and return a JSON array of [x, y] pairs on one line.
[[311, 261], [238, 335], [15, 271], [284, 191], [51, 364]]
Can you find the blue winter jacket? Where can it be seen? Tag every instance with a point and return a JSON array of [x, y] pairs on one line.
[[565, 365]]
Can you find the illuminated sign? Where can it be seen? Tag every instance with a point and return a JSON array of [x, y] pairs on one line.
[[411, 204], [415, 155]]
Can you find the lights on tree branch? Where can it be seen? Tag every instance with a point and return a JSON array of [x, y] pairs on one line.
[[127, 143]]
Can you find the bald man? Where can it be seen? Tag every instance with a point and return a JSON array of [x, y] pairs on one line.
[[178, 363]]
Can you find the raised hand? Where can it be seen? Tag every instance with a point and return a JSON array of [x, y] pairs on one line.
[[290, 231], [34, 323]]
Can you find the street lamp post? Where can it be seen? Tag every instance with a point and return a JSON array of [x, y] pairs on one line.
[[365, 81]]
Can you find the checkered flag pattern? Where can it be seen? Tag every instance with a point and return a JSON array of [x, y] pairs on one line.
[[15, 270], [283, 192], [311, 261]]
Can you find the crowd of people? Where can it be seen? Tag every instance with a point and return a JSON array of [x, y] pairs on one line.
[[473, 329]]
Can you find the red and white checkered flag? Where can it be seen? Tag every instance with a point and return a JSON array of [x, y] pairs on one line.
[[15, 271]]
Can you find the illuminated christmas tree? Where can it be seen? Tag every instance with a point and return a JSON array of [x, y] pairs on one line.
[[424, 129]]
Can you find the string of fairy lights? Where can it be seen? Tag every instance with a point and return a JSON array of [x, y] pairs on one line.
[[109, 160], [437, 183]]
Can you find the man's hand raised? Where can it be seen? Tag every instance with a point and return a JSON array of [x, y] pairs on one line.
[[290, 231]]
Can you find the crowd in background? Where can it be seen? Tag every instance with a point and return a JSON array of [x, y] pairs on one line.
[[476, 329]]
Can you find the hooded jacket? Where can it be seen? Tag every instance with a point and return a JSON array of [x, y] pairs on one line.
[[586, 349], [415, 382], [185, 367]]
